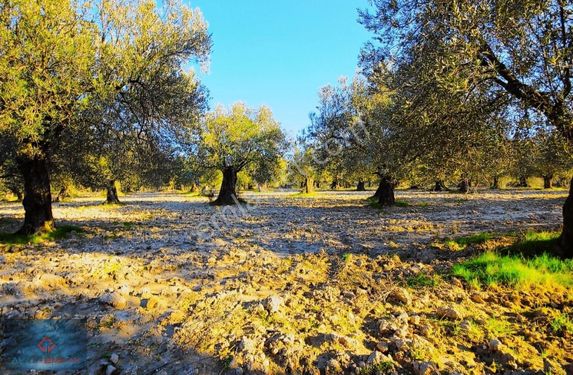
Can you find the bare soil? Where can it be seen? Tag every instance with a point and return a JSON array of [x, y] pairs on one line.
[[172, 285]]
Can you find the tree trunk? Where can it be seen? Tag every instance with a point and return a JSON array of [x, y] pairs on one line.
[[565, 243], [308, 185], [547, 182], [495, 183], [334, 184], [228, 191], [439, 186], [62, 194], [386, 188], [112, 197], [37, 200], [522, 181], [464, 186], [360, 186]]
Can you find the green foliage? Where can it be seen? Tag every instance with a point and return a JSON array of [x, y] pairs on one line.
[[241, 137], [490, 268], [59, 233]]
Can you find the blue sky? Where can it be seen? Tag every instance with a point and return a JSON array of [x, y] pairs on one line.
[[280, 53]]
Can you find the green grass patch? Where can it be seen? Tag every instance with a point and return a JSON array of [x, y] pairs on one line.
[[303, 195], [59, 233], [532, 243], [461, 243], [491, 268], [422, 280]]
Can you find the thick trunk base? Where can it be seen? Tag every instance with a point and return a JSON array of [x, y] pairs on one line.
[[111, 190], [361, 186], [464, 186], [495, 184], [308, 186], [37, 200], [385, 192], [565, 243], [386, 197], [62, 194], [227, 193], [439, 186], [547, 182]]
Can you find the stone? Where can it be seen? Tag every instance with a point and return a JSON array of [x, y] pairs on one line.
[[272, 304], [114, 358], [494, 345], [115, 300], [465, 324], [449, 313], [476, 297], [383, 346], [423, 368], [49, 281], [246, 345], [377, 357], [110, 370], [400, 296]]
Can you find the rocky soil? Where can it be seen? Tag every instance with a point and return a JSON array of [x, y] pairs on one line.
[[171, 285]]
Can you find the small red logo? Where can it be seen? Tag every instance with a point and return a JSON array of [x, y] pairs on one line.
[[46, 345]]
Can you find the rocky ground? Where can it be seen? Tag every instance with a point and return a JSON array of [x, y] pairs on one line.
[[171, 285]]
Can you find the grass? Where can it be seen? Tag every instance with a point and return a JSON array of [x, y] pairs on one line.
[[59, 233], [562, 324], [384, 367], [422, 280], [461, 243], [532, 243], [498, 328], [491, 268], [303, 195]]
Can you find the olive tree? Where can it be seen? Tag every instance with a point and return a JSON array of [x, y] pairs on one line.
[[238, 138], [519, 49], [79, 69]]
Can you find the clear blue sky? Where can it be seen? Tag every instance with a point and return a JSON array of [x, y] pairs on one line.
[[280, 53]]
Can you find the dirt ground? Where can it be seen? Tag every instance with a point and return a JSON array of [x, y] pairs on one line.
[[171, 285]]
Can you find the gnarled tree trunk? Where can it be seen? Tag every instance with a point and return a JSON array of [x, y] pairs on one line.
[[565, 244], [547, 181], [308, 186], [111, 189], [495, 183], [37, 200], [227, 193], [464, 185], [386, 192], [62, 194], [360, 186], [522, 182], [439, 186]]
